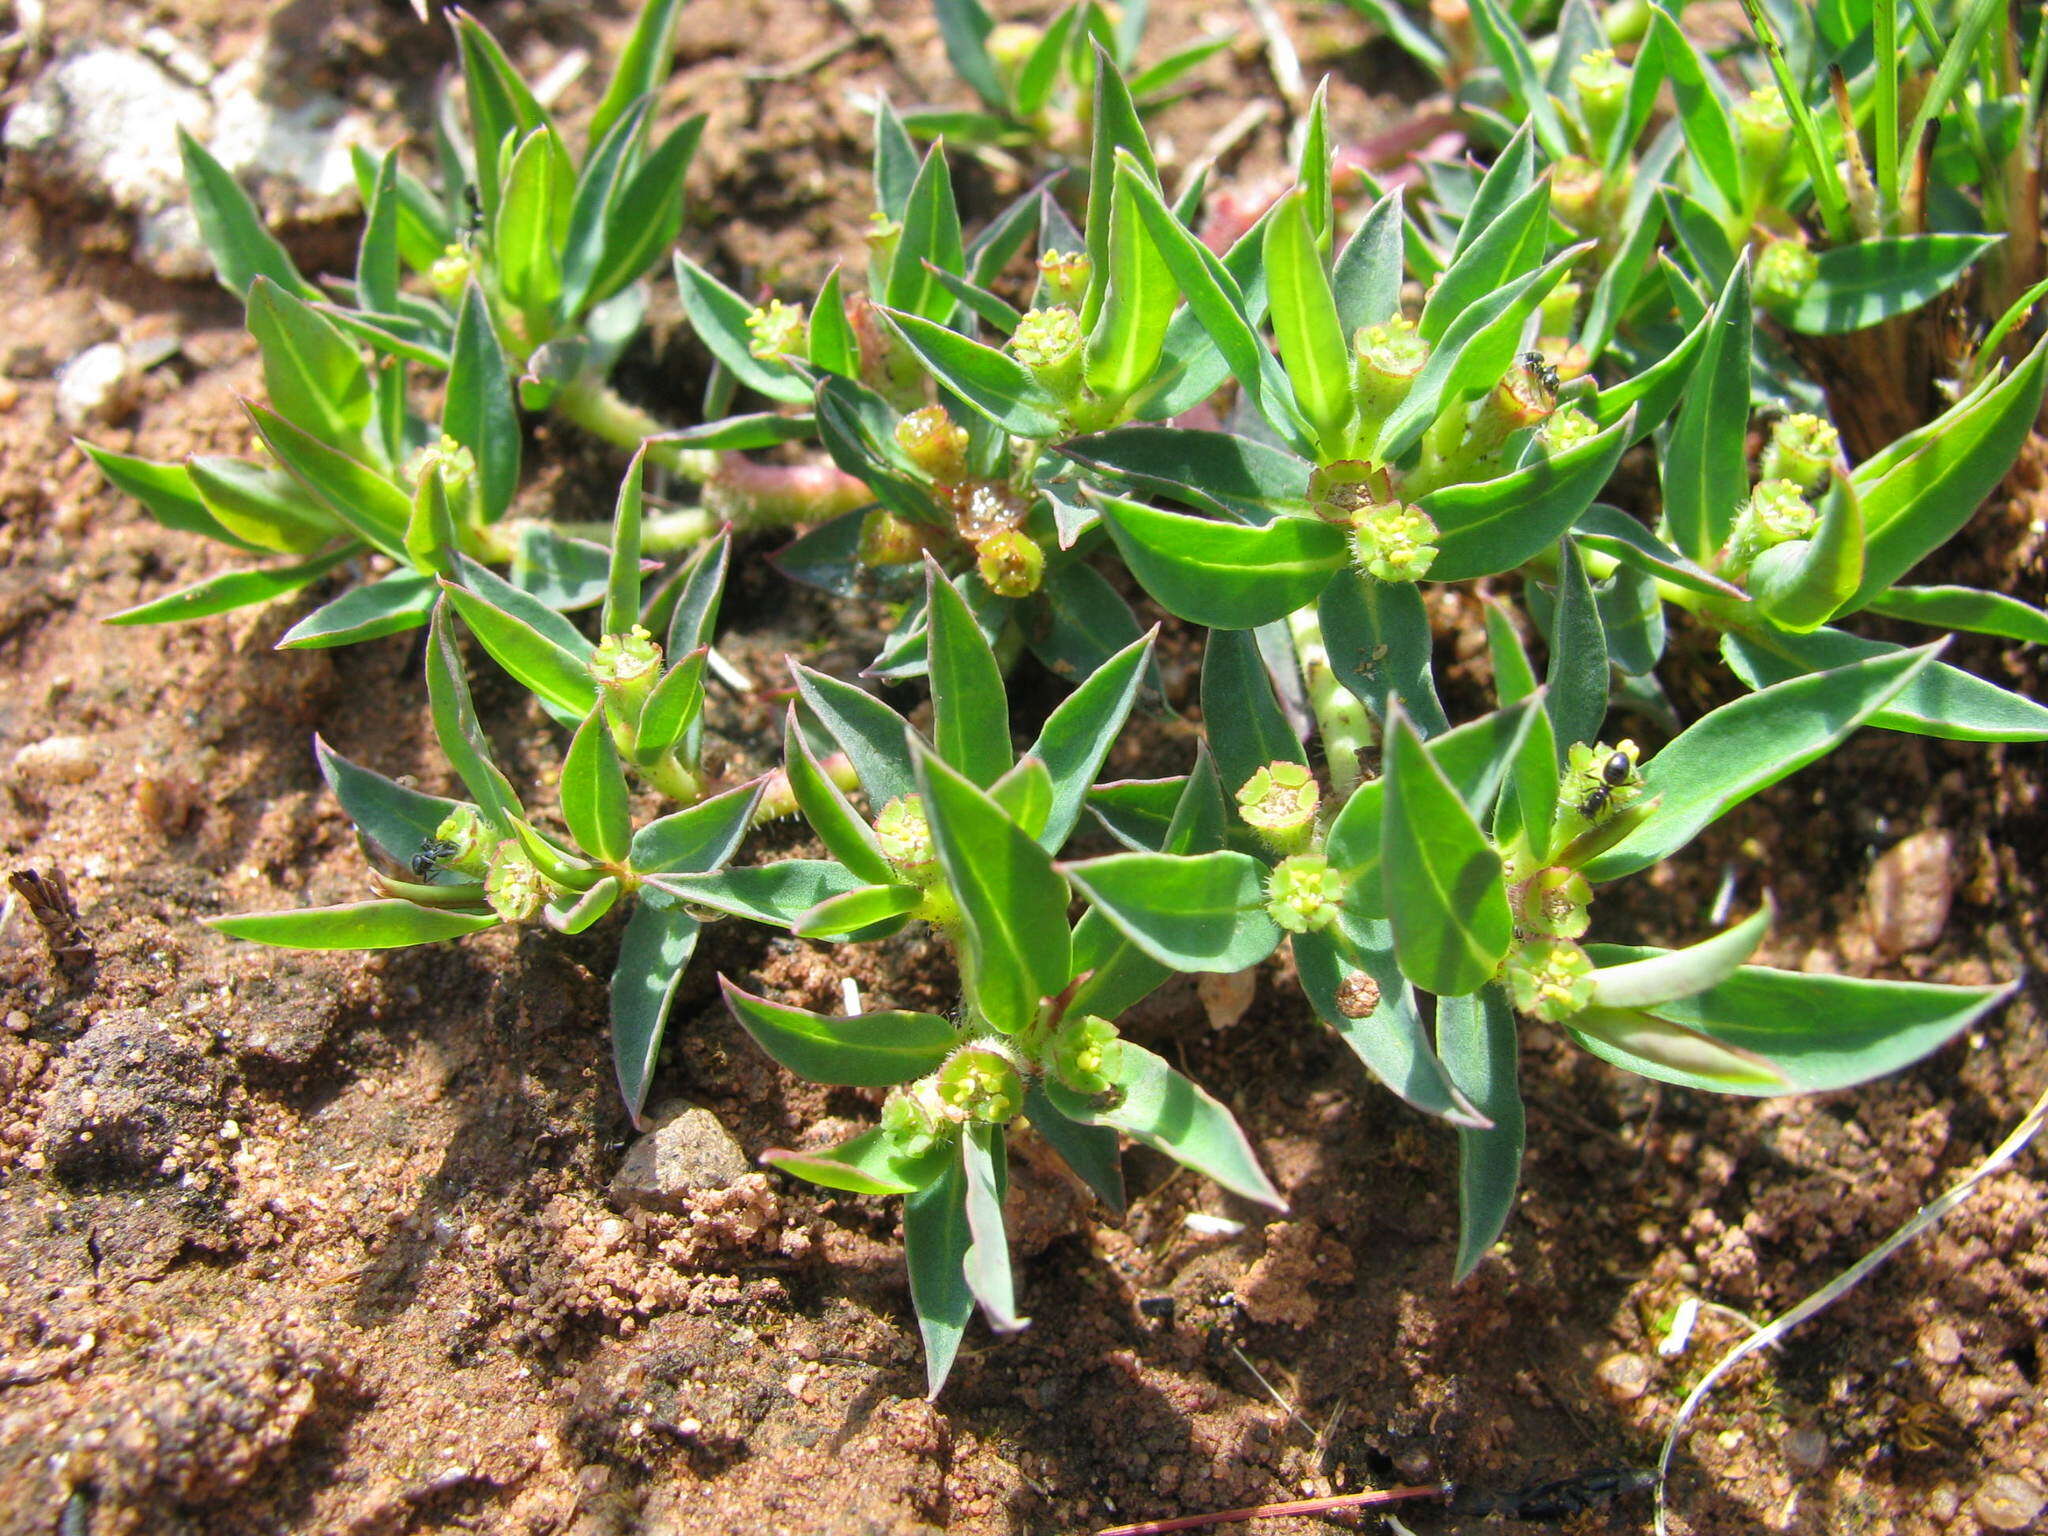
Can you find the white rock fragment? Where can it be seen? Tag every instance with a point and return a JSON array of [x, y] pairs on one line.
[[303, 142], [95, 388], [106, 120], [57, 760]]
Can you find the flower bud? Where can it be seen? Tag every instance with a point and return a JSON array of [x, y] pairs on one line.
[[980, 1082], [1599, 779], [1763, 130], [627, 662], [1338, 491], [1279, 803], [915, 1118], [515, 889], [1784, 271], [1009, 46], [1393, 542], [1385, 360], [1577, 189], [455, 462], [983, 508], [1011, 563], [936, 443], [906, 839], [451, 272], [777, 330], [1554, 904], [1551, 979], [1303, 893], [1049, 342], [1566, 427], [1776, 513], [1802, 450], [1084, 1054], [1063, 277], [886, 539], [1602, 86]]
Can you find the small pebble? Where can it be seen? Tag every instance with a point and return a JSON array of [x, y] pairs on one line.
[[96, 388], [1626, 1377], [1941, 1344], [57, 760], [2005, 1501], [1909, 891], [1806, 1448]]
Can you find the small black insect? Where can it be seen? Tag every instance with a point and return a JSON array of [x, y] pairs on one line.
[[1538, 367], [1613, 774], [473, 205], [427, 862]]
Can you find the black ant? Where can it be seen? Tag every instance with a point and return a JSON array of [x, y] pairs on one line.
[[473, 207], [427, 862], [1613, 774], [1538, 367]]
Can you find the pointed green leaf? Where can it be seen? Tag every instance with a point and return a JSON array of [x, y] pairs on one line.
[[480, 413], [242, 249], [1819, 1032], [970, 707], [870, 1050], [1305, 322], [1165, 1111], [389, 605], [657, 945], [1079, 733], [935, 1243], [597, 807], [1013, 904], [1705, 466], [358, 925], [1477, 1038], [1747, 746], [315, 376], [1445, 894], [699, 838], [1206, 912], [1224, 575]]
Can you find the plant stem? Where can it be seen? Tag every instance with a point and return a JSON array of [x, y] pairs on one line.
[[1341, 720], [736, 488], [599, 410]]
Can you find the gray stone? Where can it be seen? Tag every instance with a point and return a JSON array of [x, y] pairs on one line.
[[105, 120], [1909, 891], [686, 1152]]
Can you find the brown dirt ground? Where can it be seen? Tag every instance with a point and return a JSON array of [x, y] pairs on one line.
[[322, 1243]]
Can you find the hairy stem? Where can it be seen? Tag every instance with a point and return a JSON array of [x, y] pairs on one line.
[[1345, 726]]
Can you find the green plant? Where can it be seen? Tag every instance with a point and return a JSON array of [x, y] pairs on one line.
[[961, 834], [1034, 83], [1464, 874], [443, 868]]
